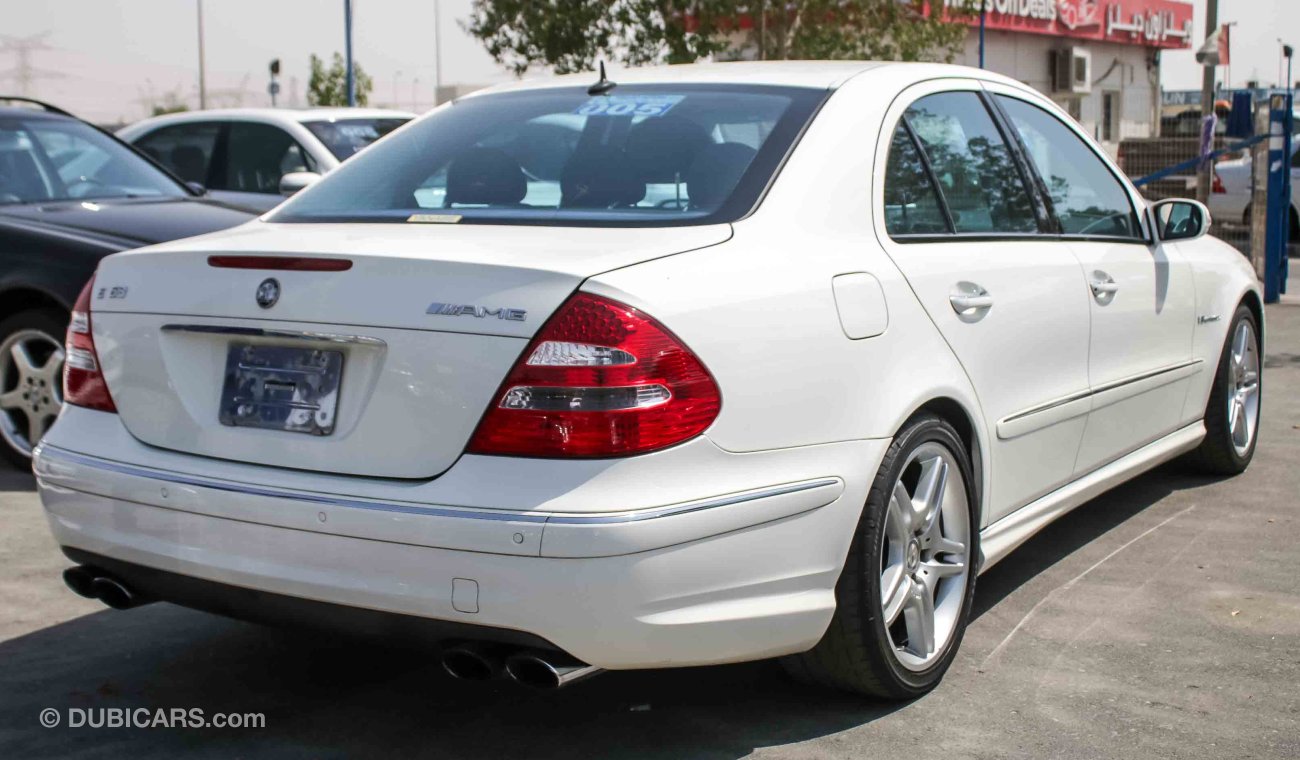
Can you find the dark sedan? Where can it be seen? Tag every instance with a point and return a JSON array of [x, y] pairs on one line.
[[70, 194]]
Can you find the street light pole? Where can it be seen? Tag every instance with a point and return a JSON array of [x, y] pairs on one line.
[[984, 12], [203, 86], [1207, 102], [347, 47], [437, 51]]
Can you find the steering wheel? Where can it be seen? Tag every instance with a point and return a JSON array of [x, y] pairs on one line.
[[1103, 220]]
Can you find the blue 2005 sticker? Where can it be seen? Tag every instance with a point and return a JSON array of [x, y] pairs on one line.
[[629, 105]]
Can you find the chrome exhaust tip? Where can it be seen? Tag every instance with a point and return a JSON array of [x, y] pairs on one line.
[[80, 580], [472, 662], [545, 672]]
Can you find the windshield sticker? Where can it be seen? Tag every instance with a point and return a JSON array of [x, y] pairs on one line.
[[650, 106], [434, 218]]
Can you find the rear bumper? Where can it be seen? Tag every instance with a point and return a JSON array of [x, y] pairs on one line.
[[731, 576]]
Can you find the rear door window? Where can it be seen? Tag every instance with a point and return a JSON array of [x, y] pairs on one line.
[[979, 179], [911, 201]]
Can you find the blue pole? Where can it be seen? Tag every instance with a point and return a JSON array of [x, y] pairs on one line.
[[347, 47], [984, 12]]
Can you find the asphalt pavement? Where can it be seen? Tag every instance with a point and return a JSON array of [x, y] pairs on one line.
[[1159, 620]]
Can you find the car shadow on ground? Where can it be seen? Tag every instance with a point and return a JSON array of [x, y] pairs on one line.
[[337, 697]]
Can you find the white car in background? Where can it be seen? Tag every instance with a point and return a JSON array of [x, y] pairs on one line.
[[749, 360], [1230, 197], [240, 156]]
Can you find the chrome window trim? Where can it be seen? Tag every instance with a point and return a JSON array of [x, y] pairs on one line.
[[56, 454]]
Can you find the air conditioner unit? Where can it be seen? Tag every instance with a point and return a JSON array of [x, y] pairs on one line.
[[1071, 70]]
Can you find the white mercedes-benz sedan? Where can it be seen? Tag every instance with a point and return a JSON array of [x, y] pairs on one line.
[[693, 365]]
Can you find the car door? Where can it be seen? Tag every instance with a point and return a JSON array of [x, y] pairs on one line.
[[186, 149], [252, 159], [1141, 294], [960, 221]]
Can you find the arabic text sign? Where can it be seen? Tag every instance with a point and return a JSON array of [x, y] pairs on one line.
[[1149, 23]]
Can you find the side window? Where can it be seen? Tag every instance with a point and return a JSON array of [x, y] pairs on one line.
[[911, 203], [1088, 199], [978, 178], [257, 156], [186, 149]]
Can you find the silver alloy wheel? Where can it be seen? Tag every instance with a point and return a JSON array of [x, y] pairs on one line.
[[1243, 395], [924, 556], [31, 388]]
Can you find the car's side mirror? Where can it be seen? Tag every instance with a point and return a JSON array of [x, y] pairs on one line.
[[197, 187], [295, 181], [1180, 219]]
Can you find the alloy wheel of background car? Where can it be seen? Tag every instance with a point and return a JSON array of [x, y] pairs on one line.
[[31, 381], [904, 595], [1232, 415]]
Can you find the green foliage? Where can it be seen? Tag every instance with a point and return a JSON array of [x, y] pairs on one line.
[[571, 35], [329, 86]]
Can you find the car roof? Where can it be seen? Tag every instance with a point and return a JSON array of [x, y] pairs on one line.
[[818, 74], [25, 112], [281, 116]]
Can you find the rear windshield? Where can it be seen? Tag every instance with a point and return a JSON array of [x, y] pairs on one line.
[[640, 155], [344, 137]]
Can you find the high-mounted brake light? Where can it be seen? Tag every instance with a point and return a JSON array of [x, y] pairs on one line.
[[600, 379], [283, 263], [83, 380]]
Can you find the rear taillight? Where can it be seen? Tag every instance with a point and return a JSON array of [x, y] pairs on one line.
[[601, 379], [1216, 186], [83, 381]]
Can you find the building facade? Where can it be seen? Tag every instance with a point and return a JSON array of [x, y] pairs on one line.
[[1099, 59]]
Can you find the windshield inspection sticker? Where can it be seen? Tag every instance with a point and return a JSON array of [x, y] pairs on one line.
[[629, 105]]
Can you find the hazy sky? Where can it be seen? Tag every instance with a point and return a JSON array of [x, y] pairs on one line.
[[107, 58]]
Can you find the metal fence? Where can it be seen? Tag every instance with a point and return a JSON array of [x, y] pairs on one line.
[[1144, 157]]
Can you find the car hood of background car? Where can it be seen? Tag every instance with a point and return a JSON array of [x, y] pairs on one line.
[[133, 221]]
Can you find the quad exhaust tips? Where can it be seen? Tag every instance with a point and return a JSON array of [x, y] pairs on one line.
[[94, 584], [545, 671]]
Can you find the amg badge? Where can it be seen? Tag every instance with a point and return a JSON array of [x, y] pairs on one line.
[[469, 310]]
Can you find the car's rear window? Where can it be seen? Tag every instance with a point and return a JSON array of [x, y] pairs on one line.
[[640, 155]]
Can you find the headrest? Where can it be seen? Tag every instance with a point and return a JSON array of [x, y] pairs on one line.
[[600, 177], [485, 176], [662, 149], [715, 171]]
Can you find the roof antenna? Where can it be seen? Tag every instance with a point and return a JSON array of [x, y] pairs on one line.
[[604, 85]]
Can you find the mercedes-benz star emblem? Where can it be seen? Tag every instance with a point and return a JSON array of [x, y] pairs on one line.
[[268, 292]]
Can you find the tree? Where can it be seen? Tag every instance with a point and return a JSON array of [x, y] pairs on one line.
[[570, 35], [329, 86]]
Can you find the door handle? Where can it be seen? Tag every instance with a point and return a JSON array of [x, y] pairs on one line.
[[968, 298], [1103, 285]]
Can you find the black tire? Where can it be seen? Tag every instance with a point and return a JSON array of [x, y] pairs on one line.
[[51, 322], [855, 653], [1217, 455]]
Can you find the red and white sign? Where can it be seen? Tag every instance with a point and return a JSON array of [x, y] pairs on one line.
[[1149, 23]]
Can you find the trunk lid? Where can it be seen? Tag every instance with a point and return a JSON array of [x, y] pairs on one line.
[[425, 323]]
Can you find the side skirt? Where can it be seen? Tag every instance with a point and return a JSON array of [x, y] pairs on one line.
[[998, 539]]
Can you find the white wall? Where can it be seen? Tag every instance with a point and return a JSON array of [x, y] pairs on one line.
[[1026, 57]]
